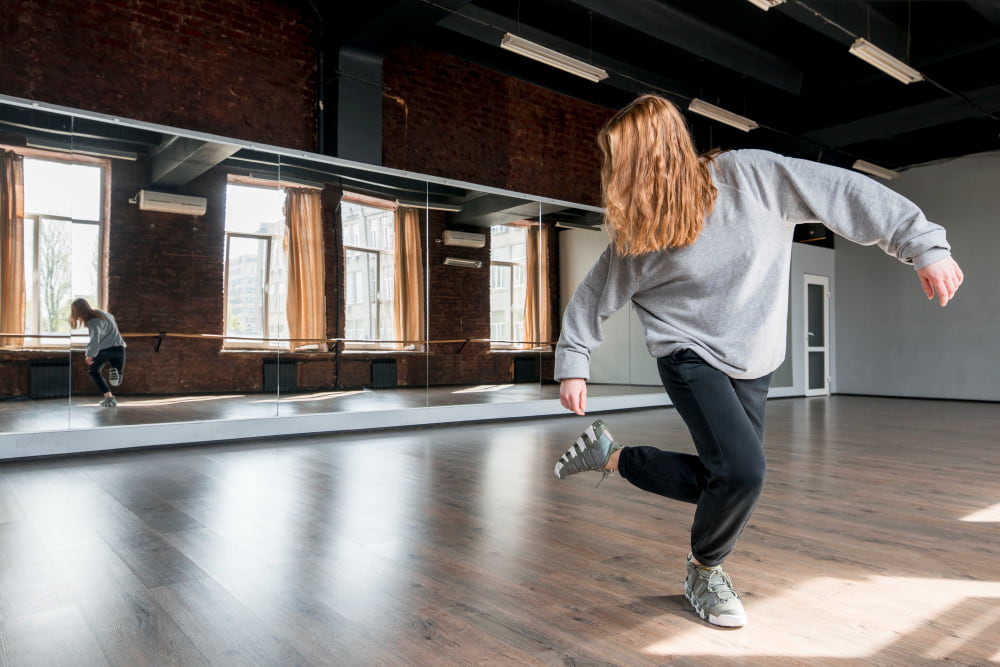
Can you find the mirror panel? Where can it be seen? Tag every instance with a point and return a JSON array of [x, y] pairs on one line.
[[172, 278]]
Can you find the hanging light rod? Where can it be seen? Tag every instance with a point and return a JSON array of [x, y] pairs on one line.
[[552, 58], [766, 4], [703, 108], [891, 65], [875, 170]]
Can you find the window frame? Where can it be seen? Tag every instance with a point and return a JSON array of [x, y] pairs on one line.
[[235, 342], [510, 266], [382, 258], [49, 340]]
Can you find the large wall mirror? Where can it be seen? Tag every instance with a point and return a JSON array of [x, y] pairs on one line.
[[252, 282]]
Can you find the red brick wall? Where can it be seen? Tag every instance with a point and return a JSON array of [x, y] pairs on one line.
[[247, 70], [230, 67], [445, 117]]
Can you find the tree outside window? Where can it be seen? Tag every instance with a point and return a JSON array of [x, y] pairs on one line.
[[62, 248]]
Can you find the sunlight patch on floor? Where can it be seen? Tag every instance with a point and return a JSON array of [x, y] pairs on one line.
[[483, 388], [987, 515], [847, 618], [302, 398], [174, 400]]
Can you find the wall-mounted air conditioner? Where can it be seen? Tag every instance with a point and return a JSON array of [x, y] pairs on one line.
[[168, 202], [464, 239]]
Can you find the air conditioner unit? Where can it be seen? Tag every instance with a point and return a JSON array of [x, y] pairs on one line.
[[464, 239], [168, 202]]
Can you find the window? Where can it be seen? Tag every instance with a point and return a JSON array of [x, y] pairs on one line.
[[508, 285], [63, 202], [256, 266], [369, 232]]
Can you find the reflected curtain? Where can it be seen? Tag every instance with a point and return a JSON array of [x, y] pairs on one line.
[[408, 295], [306, 301], [537, 309], [12, 295]]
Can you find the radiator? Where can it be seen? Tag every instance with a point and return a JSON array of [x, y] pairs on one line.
[[525, 369], [281, 375], [49, 379], [383, 373]]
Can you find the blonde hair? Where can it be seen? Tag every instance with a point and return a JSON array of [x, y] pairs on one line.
[[656, 189], [80, 313]]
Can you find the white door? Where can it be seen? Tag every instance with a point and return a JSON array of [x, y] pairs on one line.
[[817, 313]]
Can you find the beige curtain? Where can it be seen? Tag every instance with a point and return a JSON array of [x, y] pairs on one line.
[[11, 247], [537, 309], [408, 297], [306, 303]]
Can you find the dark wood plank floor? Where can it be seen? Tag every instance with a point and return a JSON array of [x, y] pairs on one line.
[[877, 541]]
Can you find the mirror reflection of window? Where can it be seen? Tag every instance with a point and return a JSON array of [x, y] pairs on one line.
[[62, 242], [508, 285], [256, 266], [369, 261]]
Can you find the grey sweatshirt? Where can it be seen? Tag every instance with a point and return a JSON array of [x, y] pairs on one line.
[[726, 296], [103, 333]]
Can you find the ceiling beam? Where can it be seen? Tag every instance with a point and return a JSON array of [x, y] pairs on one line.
[[702, 39]]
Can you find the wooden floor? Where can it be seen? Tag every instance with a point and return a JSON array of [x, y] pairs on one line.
[[877, 541]]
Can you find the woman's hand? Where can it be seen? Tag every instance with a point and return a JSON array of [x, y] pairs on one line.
[[89, 360], [943, 277], [573, 395]]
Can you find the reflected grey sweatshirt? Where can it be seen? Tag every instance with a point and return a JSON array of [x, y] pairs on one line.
[[103, 333], [726, 295]]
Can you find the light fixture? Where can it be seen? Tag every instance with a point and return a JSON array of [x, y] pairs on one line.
[[766, 4], [578, 225], [552, 58], [434, 206], [467, 263], [891, 65], [875, 170], [703, 108]]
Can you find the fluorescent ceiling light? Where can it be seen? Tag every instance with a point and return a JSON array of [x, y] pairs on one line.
[[766, 4], [891, 65], [875, 170], [552, 58], [578, 225], [718, 113], [434, 206], [468, 263]]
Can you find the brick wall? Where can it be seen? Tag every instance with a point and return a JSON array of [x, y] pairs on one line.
[[247, 70], [445, 117], [229, 67]]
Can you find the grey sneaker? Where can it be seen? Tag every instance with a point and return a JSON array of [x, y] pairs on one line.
[[109, 402], [710, 592], [115, 377], [591, 451]]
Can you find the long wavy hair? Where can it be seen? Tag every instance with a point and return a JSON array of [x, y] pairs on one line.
[[80, 313], [656, 189]]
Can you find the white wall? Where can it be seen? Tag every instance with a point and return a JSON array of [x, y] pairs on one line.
[[891, 340], [622, 358]]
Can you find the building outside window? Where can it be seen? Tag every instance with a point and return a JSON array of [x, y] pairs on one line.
[[508, 285], [63, 204], [369, 261], [256, 266]]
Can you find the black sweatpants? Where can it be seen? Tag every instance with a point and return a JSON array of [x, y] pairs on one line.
[[725, 480], [113, 356]]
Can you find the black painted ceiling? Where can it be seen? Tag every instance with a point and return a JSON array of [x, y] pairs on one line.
[[788, 68]]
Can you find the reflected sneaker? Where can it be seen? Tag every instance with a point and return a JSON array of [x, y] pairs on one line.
[[591, 451], [115, 377], [109, 402], [710, 592]]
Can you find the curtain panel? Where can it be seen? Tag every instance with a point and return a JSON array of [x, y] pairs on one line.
[[306, 301], [12, 296], [537, 309], [408, 297]]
